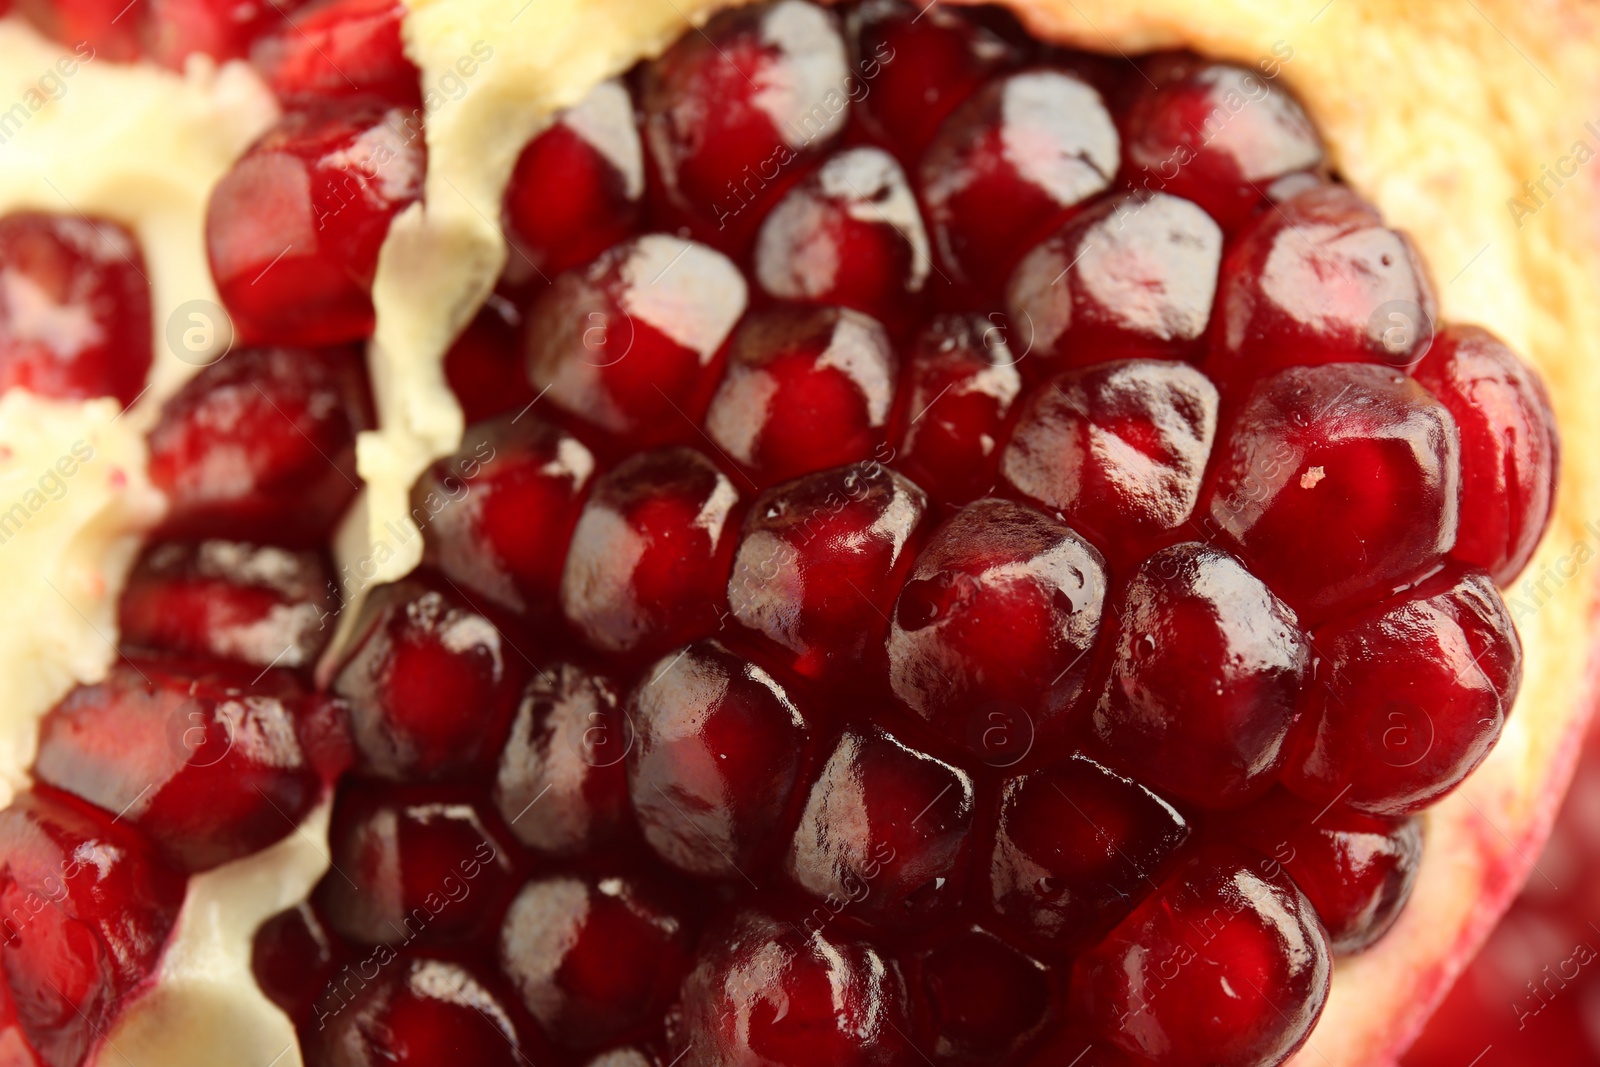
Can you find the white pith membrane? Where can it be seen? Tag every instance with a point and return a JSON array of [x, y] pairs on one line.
[[1428, 108]]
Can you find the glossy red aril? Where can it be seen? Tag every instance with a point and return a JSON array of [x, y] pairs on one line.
[[1508, 447], [1132, 276], [74, 307], [293, 230], [1001, 609], [341, 48], [432, 683], [805, 388], [1408, 697], [293, 958], [95, 28], [1221, 964], [260, 445], [732, 114], [1204, 678], [595, 958], [648, 566], [173, 30], [1216, 133], [718, 747], [1075, 848], [820, 561], [483, 367], [1008, 165], [633, 343], [577, 186], [981, 999]]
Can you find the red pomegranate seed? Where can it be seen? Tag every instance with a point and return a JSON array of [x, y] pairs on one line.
[[1075, 849], [1338, 484], [633, 343], [88, 908], [988, 202], [1356, 870], [805, 389], [1409, 697], [982, 1000], [577, 186], [1220, 965], [1508, 447], [260, 446], [1216, 134], [208, 766], [595, 958], [97, 29], [820, 561], [1132, 276], [339, 48], [484, 365], [432, 683], [74, 308], [724, 142], [221, 29], [1205, 677], [648, 567], [294, 958], [717, 756], [1000, 612], [293, 230], [562, 785], [267, 607]]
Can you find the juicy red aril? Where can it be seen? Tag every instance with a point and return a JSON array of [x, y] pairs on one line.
[[1216, 134], [1508, 447], [93, 27], [593, 957], [1129, 277], [633, 343], [1192, 613], [1001, 609], [339, 48], [820, 561], [723, 143], [1337, 483], [1356, 870], [805, 388], [562, 785], [484, 365], [432, 683], [986, 201], [207, 766], [74, 308], [294, 957], [717, 754], [1408, 697], [982, 1000], [576, 188], [88, 908], [649, 559], [293, 230], [221, 29], [498, 514], [260, 445], [1076, 847]]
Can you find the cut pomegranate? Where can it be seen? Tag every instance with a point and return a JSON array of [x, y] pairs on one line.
[[335, 48]]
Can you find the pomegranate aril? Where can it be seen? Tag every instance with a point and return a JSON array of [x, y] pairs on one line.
[[432, 683], [1215, 133], [1356, 870], [339, 48], [1338, 484], [498, 515], [1509, 449], [1132, 276], [96, 29], [1075, 849], [1408, 697], [804, 389], [562, 785], [1219, 965], [820, 561], [260, 446], [293, 958], [648, 566], [173, 30], [988, 202], [999, 613], [595, 958], [982, 1001], [633, 343], [74, 307], [723, 143], [293, 230], [484, 365], [577, 186], [718, 749], [1205, 677]]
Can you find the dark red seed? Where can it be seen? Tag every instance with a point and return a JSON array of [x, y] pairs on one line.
[[340, 48], [484, 365], [294, 957], [982, 1000]]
